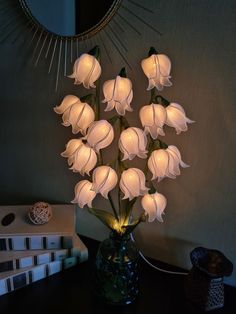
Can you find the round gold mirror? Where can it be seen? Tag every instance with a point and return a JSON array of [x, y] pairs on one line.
[[78, 19], [56, 32]]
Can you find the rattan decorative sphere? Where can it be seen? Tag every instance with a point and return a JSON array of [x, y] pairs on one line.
[[40, 213]]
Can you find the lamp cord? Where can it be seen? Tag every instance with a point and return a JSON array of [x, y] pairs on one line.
[[157, 268]]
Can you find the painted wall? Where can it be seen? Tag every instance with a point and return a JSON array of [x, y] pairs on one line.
[[199, 37]]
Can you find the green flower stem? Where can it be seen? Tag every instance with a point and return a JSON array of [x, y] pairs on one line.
[[150, 149], [161, 100], [113, 206], [128, 228], [129, 207], [153, 96], [100, 159], [97, 99], [120, 166], [158, 99], [152, 51], [158, 144]]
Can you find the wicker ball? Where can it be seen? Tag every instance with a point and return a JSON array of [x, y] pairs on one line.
[[40, 213]]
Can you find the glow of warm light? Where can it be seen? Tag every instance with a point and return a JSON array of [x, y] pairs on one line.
[[86, 70], [132, 183], [100, 135], [118, 94], [157, 69], [154, 205], [104, 180], [176, 118], [75, 113], [153, 117], [84, 195], [165, 163], [81, 157], [158, 163], [133, 142]]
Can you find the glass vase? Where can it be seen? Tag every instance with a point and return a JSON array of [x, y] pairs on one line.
[[117, 265]]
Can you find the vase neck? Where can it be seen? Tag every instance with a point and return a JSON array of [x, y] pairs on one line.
[[119, 238]]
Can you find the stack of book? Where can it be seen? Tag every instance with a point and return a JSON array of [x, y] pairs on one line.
[[30, 252]]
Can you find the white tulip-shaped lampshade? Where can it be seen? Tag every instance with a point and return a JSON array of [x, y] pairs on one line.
[[157, 69], [118, 94], [100, 134], [132, 183], [86, 70], [84, 195], [133, 142], [154, 205], [158, 164], [153, 117], [176, 118], [165, 163], [104, 180], [75, 113], [81, 157], [175, 160]]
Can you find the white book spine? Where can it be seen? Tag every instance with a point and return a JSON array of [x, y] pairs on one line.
[[39, 242], [22, 278], [43, 258]]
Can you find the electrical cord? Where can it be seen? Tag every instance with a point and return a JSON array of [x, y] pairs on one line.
[[157, 268]]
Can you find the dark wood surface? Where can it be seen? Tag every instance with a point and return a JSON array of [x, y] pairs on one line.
[[72, 292]]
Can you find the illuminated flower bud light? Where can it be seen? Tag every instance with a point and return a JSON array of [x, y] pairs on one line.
[[81, 157], [157, 69], [154, 205], [86, 70], [165, 163], [133, 142], [83, 194], [100, 135], [75, 113], [158, 164], [153, 118], [175, 160], [176, 118], [104, 180], [132, 183], [118, 94]]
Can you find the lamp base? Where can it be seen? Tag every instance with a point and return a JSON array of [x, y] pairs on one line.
[[117, 264]]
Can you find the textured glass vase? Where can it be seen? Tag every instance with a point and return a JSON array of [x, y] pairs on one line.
[[117, 270]]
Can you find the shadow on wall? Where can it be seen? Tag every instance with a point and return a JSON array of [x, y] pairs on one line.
[[171, 250]]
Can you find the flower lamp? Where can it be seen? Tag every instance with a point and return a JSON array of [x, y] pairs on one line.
[[154, 204], [86, 70], [153, 118], [118, 94], [104, 180], [133, 142], [100, 135], [157, 69], [176, 117], [75, 113], [117, 258], [132, 183], [84, 194], [81, 157]]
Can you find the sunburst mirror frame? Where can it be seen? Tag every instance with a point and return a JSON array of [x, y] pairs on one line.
[[60, 50]]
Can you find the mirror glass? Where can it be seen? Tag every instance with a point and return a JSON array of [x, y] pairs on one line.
[[70, 17]]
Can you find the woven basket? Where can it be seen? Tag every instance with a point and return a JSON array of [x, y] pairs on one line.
[[204, 284]]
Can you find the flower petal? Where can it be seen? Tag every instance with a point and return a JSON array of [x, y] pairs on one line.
[[66, 103]]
